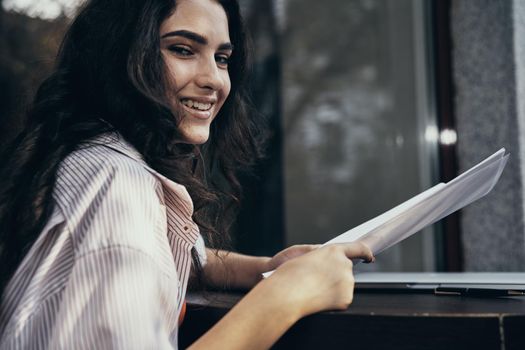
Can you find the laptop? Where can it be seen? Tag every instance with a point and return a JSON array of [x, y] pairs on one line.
[[444, 283]]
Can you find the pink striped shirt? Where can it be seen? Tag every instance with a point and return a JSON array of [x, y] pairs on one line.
[[111, 267]]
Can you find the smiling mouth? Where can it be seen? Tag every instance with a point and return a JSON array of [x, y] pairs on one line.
[[198, 106]]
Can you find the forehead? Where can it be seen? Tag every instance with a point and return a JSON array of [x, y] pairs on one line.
[[205, 17]]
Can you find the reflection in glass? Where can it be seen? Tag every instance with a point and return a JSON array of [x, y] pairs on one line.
[[356, 118]]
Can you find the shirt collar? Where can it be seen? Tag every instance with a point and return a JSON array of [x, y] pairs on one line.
[[116, 142]]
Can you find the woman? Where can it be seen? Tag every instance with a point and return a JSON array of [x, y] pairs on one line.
[[104, 199]]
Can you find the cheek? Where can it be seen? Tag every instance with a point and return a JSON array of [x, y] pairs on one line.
[[226, 87], [169, 73], [178, 73]]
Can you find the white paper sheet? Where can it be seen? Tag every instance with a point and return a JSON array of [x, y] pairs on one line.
[[426, 208]]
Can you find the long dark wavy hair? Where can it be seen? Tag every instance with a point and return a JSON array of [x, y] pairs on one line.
[[110, 77]]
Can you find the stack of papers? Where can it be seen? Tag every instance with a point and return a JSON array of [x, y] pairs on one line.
[[427, 207]]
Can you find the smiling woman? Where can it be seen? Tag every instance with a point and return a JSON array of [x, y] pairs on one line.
[[105, 207], [196, 47]]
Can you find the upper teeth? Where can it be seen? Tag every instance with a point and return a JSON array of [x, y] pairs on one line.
[[197, 105]]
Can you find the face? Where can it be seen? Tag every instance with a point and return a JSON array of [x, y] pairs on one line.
[[195, 45]]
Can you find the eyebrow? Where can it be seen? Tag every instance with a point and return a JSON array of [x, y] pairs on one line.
[[196, 37]]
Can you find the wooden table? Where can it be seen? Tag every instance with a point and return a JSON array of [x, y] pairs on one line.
[[385, 321]]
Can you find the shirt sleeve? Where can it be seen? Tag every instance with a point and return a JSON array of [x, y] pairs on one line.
[[120, 293], [113, 301]]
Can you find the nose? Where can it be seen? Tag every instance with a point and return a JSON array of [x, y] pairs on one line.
[[209, 75]]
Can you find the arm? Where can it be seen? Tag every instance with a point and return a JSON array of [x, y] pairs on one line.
[[114, 301], [120, 293], [319, 280], [234, 270]]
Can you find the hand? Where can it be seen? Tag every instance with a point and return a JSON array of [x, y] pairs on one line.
[[289, 253], [294, 252], [321, 279], [315, 280]]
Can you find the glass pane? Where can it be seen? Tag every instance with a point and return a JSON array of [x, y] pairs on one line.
[[356, 108]]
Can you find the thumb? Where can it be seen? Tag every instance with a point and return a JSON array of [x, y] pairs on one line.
[[358, 250]]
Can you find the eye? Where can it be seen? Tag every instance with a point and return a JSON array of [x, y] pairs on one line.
[[179, 50], [222, 60]]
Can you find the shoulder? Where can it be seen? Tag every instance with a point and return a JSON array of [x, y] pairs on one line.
[[100, 160], [111, 200], [96, 175], [97, 167]]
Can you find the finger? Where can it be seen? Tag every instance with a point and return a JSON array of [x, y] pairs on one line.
[[308, 247], [358, 250], [298, 250]]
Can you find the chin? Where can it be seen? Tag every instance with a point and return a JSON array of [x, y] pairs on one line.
[[196, 139], [194, 133], [199, 141]]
